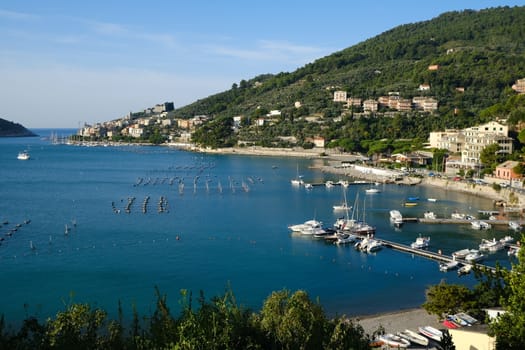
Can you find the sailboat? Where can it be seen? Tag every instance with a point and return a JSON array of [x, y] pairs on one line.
[[298, 180], [362, 227]]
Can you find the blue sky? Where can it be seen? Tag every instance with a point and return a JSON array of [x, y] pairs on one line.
[[63, 63]]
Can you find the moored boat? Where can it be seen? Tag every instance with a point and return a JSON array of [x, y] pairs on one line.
[[413, 337], [480, 225], [461, 254], [429, 215], [451, 265], [372, 190], [514, 225], [394, 341], [431, 332], [491, 245], [474, 256], [396, 218], [421, 243], [24, 155], [465, 269]]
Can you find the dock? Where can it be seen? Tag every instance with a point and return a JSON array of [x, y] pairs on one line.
[[427, 254], [453, 221]]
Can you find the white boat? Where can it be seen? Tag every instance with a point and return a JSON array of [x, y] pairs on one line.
[[373, 246], [474, 256], [465, 269], [467, 318], [24, 155], [513, 251], [432, 200], [372, 190], [480, 225], [507, 239], [342, 207], [396, 218], [305, 225], [458, 216], [346, 238], [298, 180], [431, 332], [514, 225], [329, 184], [421, 243], [362, 228], [343, 183], [413, 337], [451, 265], [429, 215], [394, 341], [491, 245], [461, 254]]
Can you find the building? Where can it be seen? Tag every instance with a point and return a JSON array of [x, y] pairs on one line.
[[505, 171], [433, 67], [370, 105], [424, 87], [163, 107], [474, 337], [519, 86], [353, 101], [340, 96]]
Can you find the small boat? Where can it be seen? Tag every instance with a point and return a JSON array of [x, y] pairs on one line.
[[480, 225], [413, 337], [342, 207], [467, 318], [373, 246], [451, 265], [24, 155], [457, 320], [412, 199], [514, 225], [513, 251], [464, 270], [372, 190], [421, 243], [431, 332], [329, 184], [307, 224], [410, 204], [491, 246], [507, 239], [429, 215], [346, 238], [461, 254], [450, 324], [474, 256], [396, 218], [394, 341], [308, 186], [432, 199]]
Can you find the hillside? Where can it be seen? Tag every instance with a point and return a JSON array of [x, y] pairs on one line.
[[11, 129], [480, 55]]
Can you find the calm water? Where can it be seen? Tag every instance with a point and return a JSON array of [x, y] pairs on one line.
[[229, 237]]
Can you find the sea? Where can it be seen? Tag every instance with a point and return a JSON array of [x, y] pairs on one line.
[[109, 225]]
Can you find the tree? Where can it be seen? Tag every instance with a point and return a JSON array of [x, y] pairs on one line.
[[509, 328], [443, 299], [446, 341]]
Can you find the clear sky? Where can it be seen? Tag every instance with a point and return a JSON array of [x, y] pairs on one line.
[[63, 63]]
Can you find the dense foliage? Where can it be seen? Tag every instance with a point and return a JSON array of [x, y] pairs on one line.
[[10, 129], [480, 55], [286, 321]]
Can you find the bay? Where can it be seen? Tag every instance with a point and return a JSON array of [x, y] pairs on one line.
[[204, 238]]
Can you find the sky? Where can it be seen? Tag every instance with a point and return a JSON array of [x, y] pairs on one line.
[[66, 63]]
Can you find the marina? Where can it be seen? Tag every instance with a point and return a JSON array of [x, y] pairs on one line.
[[182, 220]]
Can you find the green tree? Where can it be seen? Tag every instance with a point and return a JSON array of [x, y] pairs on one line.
[[443, 299], [509, 328]]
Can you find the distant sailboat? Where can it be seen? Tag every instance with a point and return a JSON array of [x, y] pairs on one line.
[[31, 245], [66, 231]]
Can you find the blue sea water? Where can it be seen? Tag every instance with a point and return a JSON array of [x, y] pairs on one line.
[[205, 239]]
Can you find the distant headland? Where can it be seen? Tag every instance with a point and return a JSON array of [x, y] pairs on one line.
[[11, 129]]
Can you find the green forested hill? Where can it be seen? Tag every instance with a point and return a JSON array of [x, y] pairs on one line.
[[482, 52], [10, 129]]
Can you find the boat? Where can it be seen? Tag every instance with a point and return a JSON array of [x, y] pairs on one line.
[[372, 190], [513, 251], [24, 155], [451, 265], [491, 245], [373, 245], [465, 269], [467, 318], [431, 332], [396, 218], [461, 254], [410, 204], [514, 225], [394, 341], [429, 215], [344, 205], [308, 186], [459, 216], [507, 240], [329, 184], [474, 256], [298, 180], [411, 199], [413, 337], [362, 227], [480, 225], [432, 199], [450, 324], [346, 238], [305, 225], [421, 243]]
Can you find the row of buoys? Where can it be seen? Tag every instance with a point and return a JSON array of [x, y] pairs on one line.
[[13, 229], [163, 204], [145, 205]]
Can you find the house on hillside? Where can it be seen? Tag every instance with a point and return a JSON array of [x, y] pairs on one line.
[[519, 86], [474, 337], [505, 170]]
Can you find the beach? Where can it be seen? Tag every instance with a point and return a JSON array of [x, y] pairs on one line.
[[393, 322]]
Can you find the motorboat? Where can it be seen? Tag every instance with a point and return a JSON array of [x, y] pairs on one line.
[[491, 245], [507, 240], [474, 256], [412, 199], [467, 318], [429, 215], [329, 184], [394, 341], [24, 155], [465, 269], [306, 225], [413, 337], [342, 207], [343, 183], [451, 265], [373, 246], [346, 238], [431, 332], [421, 243], [514, 225], [308, 186], [372, 190], [461, 254], [410, 204], [432, 199], [513, 251], [480, 225], [396, 218]]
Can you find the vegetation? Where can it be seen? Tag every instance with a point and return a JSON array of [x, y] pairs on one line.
[[286, 321], [499, 288], [11, 129], [480, 55]]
